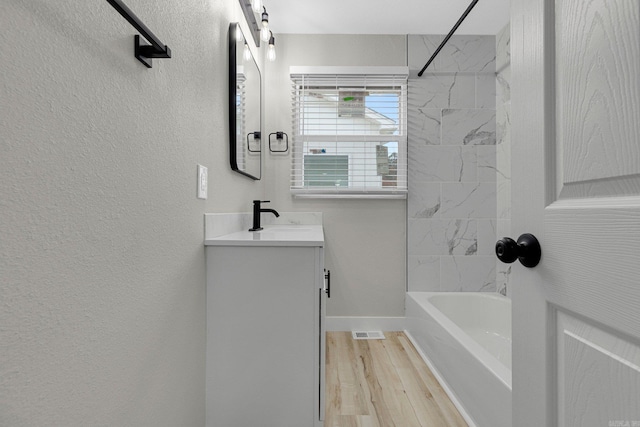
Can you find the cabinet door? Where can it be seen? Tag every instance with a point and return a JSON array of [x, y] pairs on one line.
[[322, 314], [261, 336]]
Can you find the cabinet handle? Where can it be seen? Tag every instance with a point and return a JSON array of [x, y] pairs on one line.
[[327, 276]]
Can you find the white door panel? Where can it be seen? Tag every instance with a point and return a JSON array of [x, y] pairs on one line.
[[591, 261], [598, 375], [576, 186], [597, 89]]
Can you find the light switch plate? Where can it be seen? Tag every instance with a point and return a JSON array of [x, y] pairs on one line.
[[202, 182]]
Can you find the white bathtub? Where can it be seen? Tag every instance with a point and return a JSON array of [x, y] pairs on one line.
[[465, 338]]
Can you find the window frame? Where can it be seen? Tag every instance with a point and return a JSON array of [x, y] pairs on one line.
[[359, 78]]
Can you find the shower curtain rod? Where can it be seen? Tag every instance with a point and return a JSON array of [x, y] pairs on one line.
[[446, 39], [143, 52]]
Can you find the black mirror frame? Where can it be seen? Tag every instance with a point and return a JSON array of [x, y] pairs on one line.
[[233, 142]]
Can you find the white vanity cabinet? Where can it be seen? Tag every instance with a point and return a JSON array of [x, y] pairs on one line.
[[265, 328]]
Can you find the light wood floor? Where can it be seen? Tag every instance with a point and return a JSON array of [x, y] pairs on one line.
[[382, 383]]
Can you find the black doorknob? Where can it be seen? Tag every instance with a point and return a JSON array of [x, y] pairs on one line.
[[526, 250]]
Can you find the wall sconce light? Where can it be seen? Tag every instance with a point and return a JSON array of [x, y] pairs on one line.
[[271, 52], [265, 33]]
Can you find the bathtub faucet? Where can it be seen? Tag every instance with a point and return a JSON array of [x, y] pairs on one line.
[[257, 210]]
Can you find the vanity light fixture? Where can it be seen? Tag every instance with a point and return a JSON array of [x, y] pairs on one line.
[[256, 5], [246, 53], [265, 33], [271, 52], [259, 31], [239, 35]]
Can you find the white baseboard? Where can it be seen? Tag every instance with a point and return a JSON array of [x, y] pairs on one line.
[[352, 323]]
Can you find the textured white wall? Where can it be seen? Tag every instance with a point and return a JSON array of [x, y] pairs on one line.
[[366, 239], [102, 266]]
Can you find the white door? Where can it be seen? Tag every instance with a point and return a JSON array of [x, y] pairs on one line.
[[576, 187]]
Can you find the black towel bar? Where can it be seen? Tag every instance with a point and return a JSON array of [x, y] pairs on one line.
[[143, 52]]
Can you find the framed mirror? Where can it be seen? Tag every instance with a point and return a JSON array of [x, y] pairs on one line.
[[245, 90]]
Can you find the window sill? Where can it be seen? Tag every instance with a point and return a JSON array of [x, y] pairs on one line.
[[391, 196]]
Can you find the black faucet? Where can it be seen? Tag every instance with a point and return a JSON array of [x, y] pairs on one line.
[[257, 210]]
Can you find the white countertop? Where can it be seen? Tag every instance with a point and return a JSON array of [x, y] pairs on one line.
[[273, 235]]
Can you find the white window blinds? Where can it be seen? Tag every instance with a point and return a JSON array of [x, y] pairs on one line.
[[349, 132]]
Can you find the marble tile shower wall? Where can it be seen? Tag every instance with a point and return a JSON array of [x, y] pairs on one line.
[[503, 153], [452, 203]]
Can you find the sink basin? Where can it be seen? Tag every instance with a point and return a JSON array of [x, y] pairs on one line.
[[285, 229]]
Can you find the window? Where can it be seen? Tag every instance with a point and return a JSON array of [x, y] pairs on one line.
[[349, 136], [326, 171]]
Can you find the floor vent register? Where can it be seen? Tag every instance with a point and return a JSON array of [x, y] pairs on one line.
[[367, 335]]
